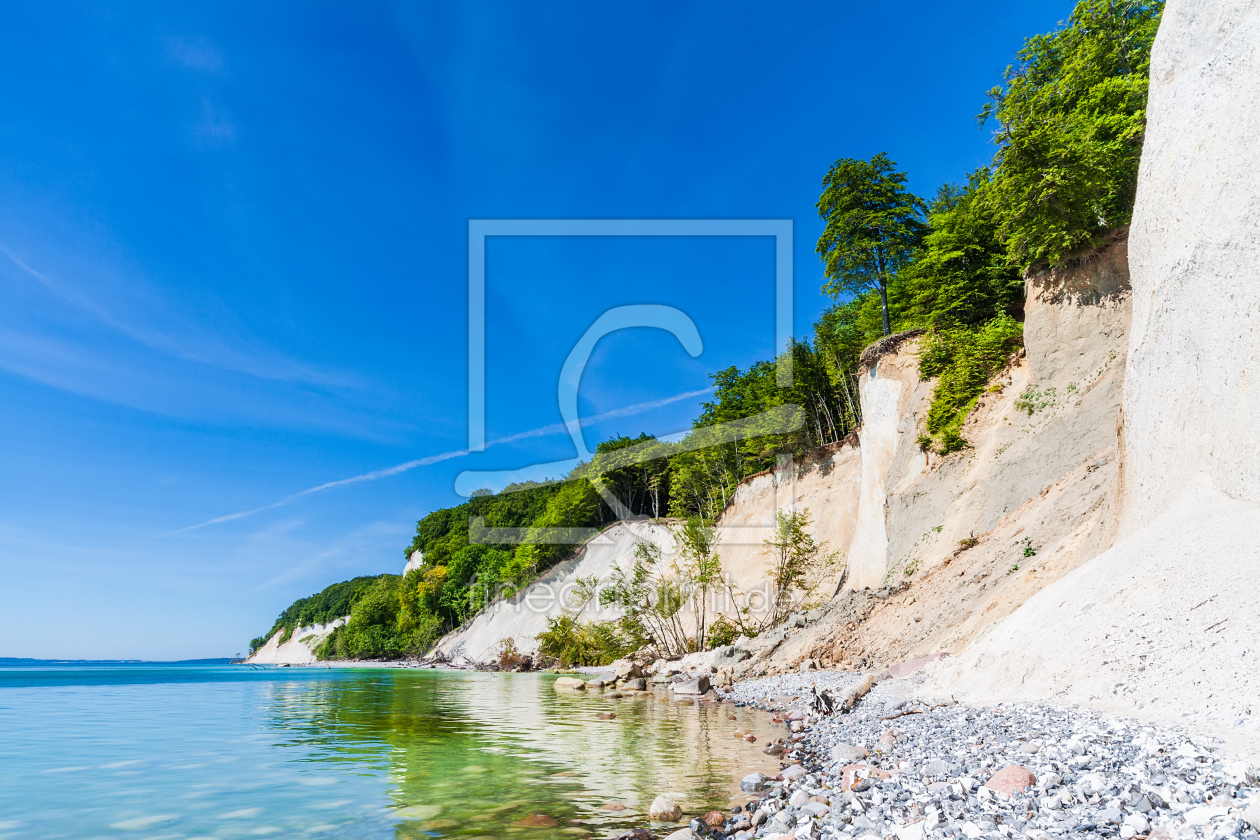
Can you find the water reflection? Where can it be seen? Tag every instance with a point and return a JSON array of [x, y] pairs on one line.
[[354, 754], [472, 753]]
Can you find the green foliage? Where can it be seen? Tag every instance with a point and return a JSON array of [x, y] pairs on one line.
[[650, 599], [703, 479], [874, 225], [331, 603], [722, 632], [372, 631], [962, 275], [570, 643], [1033, 399], [795, 560], [1071, 117], [965, 359], [701, 569]]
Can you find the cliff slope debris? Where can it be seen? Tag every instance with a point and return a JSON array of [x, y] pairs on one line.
[[1164, 624], [905, 767]]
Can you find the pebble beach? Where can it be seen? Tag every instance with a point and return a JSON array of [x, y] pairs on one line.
[[901, 765]]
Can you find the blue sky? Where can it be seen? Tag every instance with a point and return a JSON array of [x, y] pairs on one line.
[[233, 253]]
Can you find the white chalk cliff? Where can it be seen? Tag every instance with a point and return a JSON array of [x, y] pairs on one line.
[[297, 649], [1165, 624], [1097, 543]]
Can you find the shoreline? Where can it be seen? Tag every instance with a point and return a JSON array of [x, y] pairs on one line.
[[905, 765]]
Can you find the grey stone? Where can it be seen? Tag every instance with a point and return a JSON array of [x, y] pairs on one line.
[[682, 834], [792, 773], [699, 685], [848, 753], [937, 768], [725, 657], [635, 684], [752, 783], [1109, 816]]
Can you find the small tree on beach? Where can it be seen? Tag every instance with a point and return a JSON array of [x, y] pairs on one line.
[[795, 558], [701, 568]]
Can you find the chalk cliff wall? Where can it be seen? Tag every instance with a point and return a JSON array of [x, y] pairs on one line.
[[1190, 406], [1164, 624], [298, 650]]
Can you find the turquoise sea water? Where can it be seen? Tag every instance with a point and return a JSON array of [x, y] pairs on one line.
[[181, 751]]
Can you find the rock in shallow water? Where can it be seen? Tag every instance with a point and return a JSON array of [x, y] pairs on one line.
[[700, 685], [634, 834], [664, 810]]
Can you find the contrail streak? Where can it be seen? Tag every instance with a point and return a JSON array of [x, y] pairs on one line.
[[386, 472]]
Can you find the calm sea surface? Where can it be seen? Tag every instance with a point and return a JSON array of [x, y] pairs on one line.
[[181, 751]]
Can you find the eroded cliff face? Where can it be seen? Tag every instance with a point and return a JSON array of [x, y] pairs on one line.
[[1164, 624], [826, 483], [1036, 492], [298, 649], [1190, 406]]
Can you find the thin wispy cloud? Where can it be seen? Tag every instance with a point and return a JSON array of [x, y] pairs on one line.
[[135, 313], [197, 55], [386, 472]]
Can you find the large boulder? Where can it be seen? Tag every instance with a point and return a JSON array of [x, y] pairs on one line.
[[698, 686], [627, 669], [664, 810]]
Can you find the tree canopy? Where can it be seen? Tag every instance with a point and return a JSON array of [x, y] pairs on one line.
[[1071, 115], [874, 226]]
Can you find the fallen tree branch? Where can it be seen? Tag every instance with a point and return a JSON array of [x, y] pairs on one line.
[[852, 694], [902, 714]]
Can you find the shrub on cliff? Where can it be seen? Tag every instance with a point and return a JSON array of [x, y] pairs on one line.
[[965, 359], [1071, 115]]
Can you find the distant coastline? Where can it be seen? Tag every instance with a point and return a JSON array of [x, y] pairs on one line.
[[17, 662]]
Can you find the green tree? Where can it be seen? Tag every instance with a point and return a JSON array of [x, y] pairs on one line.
[[650, 601], [962, 275], [874, 226], [701, 568], [1071, 117], [795, 558]]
